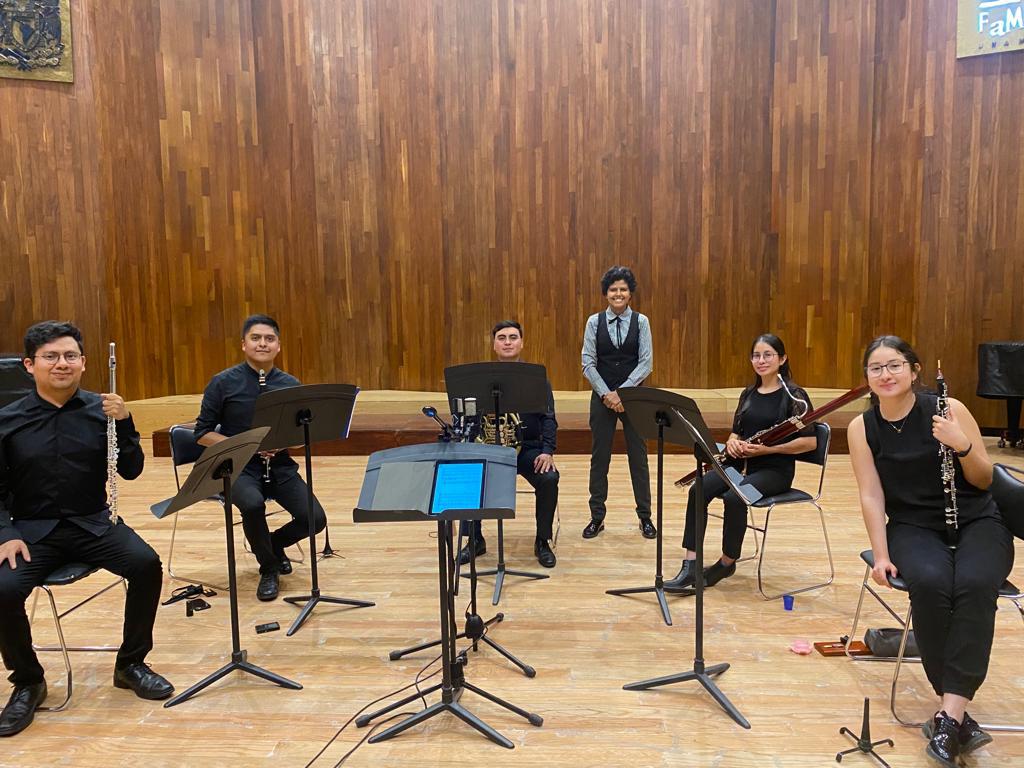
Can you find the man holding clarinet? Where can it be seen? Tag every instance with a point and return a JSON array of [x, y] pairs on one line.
[[54, 510], [229, 403]]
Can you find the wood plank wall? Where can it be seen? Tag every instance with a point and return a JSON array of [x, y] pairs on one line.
[[388, 177]]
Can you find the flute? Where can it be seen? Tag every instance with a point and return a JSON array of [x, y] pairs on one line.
[[112, 449]]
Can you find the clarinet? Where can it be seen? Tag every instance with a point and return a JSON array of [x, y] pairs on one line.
[[266, 461], [112, 450], [948, 472]]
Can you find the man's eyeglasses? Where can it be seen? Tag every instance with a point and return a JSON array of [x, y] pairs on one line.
[[894, 367], [51, 358], [767, 356]]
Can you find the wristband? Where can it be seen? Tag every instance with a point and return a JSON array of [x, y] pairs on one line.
[[963, 454]]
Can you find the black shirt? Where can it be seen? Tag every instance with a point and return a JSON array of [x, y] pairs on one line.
[[757, 412], [909, 468], [229, 402], [53, 465]]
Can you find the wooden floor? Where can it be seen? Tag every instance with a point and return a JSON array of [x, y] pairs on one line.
[[584, 644]]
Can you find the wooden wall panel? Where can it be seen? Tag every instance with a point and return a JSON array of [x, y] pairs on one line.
[[52, 259], [822, 123], [390, 177]]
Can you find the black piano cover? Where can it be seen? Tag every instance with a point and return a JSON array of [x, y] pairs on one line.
[[1001, 369], [15, 381]]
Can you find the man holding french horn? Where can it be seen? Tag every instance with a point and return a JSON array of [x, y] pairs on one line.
[[54, 510]]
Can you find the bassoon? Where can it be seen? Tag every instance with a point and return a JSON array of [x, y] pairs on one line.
[[782, 430]]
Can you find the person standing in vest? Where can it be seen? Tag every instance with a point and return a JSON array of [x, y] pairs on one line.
[[616, 353]]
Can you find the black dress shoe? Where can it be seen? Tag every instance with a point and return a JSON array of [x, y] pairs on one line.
[[593, 528], [717, 572], [465, 554], [267, 590], [146, 683], [685, 578], [647, 528], [944, 743], [543, 552], [284, 563], [971, 735], [21, 708]]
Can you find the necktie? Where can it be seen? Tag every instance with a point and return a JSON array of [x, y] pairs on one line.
[[618, 330]]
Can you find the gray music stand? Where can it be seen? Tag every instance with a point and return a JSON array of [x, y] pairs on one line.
[[681, 418], [308, 414], [212, 474], [397, 488], [500, 388]]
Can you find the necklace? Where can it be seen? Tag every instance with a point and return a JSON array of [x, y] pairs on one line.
[[899, 429]]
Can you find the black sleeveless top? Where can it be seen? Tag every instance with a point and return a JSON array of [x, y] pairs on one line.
[[616, 363], [909, 466], [756, 412]]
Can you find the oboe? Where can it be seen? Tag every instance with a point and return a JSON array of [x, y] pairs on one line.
[[266, 461], [948, 471], [112, 450]]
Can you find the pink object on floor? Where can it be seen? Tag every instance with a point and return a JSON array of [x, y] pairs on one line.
[[801, 647]]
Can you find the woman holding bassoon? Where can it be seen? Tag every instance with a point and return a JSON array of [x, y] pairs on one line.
[[770, 399], [920, 462]]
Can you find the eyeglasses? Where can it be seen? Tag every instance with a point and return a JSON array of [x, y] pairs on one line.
[[894, 367], [767, 356], [52, 358]]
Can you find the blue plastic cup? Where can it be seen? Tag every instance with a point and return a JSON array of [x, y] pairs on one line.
[[787, 602]]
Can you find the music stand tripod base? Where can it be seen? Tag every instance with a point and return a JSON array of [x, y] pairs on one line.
[[864, 743]]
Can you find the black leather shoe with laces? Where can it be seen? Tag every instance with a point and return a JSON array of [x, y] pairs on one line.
[[944, 743], [21, 708], [478, 544], [146, 683], [647, 528], [542, 550], [593, 528], [285, 562], [268, 588], [685, 578], [971, 735]]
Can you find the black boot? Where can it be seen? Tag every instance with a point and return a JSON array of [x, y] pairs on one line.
[[477, 544], [542, 550], [685, 578], [717, 572], [944, 745]]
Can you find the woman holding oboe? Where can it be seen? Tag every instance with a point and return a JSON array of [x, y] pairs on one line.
[[770, 399], [944, 535]]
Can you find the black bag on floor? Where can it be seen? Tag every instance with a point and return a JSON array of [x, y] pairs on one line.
[[885, 643]]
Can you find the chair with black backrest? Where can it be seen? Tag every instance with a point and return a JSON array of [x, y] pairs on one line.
[[186, 451], [63, 576], [819, 458]]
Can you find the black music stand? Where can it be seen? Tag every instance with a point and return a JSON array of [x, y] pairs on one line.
[[650, 412], [691, 431], [500, 388], [308, 414], [453, 681], [212, 474]]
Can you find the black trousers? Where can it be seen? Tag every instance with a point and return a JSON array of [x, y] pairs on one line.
[[249, 493], [120, 550], [734, 525], [545, 486], [953, 597], [602, 431]]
